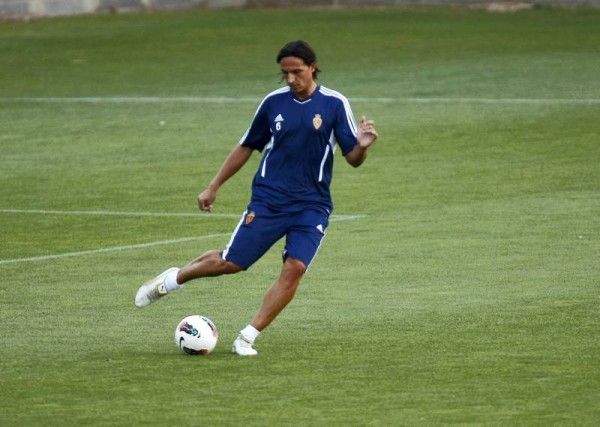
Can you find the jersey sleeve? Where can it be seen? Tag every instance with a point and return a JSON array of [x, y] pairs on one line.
[[259, 133], [345, 127]]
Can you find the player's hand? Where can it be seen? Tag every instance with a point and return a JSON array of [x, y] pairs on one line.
[[206, 200], [366, 132]]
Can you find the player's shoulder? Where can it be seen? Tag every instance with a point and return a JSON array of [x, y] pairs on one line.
[[334, 96], [282, 91], [272, 97], [325, 91]]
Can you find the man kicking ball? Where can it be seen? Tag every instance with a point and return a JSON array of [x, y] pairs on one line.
[[298, 127]]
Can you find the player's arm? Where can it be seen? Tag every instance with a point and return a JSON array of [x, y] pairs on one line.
[[255, 138], [233, 163], [366, 135]]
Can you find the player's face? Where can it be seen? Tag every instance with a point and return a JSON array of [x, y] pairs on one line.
[[298, 76]]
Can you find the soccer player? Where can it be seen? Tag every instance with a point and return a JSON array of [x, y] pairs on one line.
[[298, 128]]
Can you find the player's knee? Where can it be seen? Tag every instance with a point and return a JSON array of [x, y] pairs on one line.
[[219, 264], [230, 267], [293, 270]]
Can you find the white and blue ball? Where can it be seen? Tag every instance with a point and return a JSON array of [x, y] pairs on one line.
[[196, 335]]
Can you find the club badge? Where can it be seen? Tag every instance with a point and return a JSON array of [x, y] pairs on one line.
[[317, 121], [250, 217]]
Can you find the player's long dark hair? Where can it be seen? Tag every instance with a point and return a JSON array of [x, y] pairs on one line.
[[300, 49]]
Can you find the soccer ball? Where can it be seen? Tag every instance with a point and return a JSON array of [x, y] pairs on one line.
[[196, 335]]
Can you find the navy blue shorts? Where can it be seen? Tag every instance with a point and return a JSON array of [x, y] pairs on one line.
[[260, 227]]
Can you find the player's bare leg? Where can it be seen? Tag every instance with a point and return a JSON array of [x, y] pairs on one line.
[[209, 264], [280, 293], [274, 301]]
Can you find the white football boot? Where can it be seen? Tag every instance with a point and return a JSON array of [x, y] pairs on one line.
[[243, 347], [152, 290]]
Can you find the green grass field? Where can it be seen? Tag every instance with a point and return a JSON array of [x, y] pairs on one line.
[[466, 292]]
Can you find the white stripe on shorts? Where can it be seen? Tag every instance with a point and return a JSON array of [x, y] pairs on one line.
[[226, 250]]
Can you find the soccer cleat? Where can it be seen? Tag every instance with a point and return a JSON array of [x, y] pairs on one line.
[[152, 290], [243, 347]]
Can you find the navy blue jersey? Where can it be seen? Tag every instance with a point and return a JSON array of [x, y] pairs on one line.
[[299, 139]]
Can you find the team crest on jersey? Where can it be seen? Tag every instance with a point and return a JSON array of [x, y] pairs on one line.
[[317, 121], [250, 217]]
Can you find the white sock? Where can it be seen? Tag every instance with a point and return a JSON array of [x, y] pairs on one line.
[[250, 333], [171, 281]]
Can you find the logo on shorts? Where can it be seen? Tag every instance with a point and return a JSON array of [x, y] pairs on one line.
[[317, 121], [250, 217]]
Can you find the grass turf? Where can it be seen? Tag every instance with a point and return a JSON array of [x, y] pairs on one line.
[[467, 294]]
